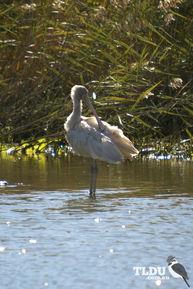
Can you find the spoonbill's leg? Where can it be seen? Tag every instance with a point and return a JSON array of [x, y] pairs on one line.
[[93, 177]]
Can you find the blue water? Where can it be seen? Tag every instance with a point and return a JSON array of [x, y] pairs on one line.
[[53, 236]]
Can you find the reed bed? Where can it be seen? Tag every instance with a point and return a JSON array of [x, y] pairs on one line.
[[135, 57]]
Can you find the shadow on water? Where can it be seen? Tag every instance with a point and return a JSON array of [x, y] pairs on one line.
[[53, 234]]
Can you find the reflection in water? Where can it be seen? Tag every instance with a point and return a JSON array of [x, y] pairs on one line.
[[73, 175], [53, 235]]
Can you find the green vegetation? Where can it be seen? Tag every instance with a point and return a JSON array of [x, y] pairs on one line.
[[136, 55]]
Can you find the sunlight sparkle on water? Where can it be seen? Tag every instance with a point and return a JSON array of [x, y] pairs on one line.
[[23, 251], [32, 241], [158, 282], [2, 249], [97, 220]]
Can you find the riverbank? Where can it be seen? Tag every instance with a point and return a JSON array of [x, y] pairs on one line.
[[155, 149]]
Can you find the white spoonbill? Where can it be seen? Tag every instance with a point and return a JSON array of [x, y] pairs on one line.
[[91, 137]]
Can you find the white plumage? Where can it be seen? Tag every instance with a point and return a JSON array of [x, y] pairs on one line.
[[91, 137]]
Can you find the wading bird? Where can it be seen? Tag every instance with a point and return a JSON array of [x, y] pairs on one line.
[[91, 137]]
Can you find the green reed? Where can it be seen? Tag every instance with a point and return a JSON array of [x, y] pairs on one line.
[[135, 55]]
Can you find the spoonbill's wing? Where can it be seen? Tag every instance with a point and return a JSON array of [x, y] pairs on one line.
[[123, 144], [90, 142], [116, 135]]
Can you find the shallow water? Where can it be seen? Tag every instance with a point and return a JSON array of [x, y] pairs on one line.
[[53, 236]]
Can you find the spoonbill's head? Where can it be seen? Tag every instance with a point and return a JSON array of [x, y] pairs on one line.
[[79, 92]]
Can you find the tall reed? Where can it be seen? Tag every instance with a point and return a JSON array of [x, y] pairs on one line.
[[135, 55]]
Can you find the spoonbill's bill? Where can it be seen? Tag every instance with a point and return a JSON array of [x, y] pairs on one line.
[[94, 138]]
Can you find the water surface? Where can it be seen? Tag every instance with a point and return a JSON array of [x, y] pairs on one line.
[[53, 236]]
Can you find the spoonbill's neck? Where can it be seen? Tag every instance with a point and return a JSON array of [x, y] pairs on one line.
[[77, 108]]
